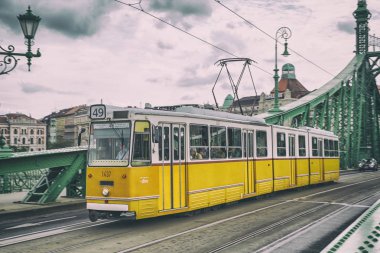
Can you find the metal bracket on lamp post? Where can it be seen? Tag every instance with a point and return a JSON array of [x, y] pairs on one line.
[[284, 33], [29, 24]]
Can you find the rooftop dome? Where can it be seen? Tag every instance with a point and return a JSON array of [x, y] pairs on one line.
[[288, 71], [228, 101]]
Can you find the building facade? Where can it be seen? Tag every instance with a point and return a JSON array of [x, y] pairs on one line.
[[23, 133], [64, 126]]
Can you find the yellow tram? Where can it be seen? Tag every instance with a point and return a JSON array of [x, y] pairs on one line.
[[147, 163]]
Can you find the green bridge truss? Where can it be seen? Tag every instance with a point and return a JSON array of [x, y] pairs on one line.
[[61, 168], [349, 104]]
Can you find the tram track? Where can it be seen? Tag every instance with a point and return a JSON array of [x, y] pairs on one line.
[[262, 230], [266, 228], [280, 242], [298, 232]]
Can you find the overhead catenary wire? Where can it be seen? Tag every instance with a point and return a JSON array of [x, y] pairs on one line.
[[137, 6], [261, 30]]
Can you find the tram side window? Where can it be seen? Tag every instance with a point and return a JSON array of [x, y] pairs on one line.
[[331, 145], [141, 144], [247, 144], [326, 147], [178, 143], [314, 146], [281, 144], [234, 142], [218, 142], [199, 142], [261, 144], [336, 149], [301, 145]]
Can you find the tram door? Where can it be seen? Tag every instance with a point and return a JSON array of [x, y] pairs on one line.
[[320, 160], [249, 170], [172, 173], [292, 157]]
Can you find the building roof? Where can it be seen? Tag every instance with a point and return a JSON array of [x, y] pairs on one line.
[[289, 82], [18, 118], [3, 119], [247, 101]]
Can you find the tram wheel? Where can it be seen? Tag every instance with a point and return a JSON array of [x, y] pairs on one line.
[[93, 215]]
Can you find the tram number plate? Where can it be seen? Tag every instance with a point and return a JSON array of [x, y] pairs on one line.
[[98, 111], [106, 173]]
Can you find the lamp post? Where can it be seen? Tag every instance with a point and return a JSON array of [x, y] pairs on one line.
[[284, 33], [29, 24]]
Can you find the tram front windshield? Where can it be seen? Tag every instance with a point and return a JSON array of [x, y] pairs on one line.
[[109, 144]]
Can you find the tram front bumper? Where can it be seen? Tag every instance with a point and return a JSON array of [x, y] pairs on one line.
[[107, 207]]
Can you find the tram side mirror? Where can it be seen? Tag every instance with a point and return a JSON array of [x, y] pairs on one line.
[[156, 134]]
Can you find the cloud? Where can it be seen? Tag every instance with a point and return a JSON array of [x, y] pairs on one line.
[[8, 13], [183, 7], [68, 17], [30, 88], [164, 46], [188, 98], [346, 26], [196, 81], [178, 11]]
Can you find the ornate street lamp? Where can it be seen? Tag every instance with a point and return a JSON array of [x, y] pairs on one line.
[[284, 33], [29, 24]]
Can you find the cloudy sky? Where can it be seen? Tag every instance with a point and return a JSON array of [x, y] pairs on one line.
[[95, 50]]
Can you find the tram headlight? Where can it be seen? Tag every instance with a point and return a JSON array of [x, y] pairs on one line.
[[372, 165], [105, 192], [361, 164]]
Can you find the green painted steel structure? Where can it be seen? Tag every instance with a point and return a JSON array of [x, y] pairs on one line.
[[348, 105], [64, 169]]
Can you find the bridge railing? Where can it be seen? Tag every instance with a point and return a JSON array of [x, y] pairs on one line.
[[64, 168]]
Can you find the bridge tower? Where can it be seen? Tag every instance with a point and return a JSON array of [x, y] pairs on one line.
[[362, 15], [365, 140], [349, 104]]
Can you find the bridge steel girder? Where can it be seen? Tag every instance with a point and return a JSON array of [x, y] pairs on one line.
[[354, 115], [63, 165]]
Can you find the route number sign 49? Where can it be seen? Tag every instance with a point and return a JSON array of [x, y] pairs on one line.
[[98, 111]]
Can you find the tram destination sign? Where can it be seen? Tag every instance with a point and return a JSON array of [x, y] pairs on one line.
[[98, 111]]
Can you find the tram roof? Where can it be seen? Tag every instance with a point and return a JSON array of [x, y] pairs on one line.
[[192, 112]]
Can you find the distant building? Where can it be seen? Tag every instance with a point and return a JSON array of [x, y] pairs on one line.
[[65, 125], [22, 132], [290, 89]]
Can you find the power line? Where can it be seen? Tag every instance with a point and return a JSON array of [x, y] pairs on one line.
[[181, 30], [261, 30]]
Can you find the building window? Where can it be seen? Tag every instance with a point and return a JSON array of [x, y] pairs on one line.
[[31, 141], [39, 141], [15, 140], [31, 131], [23, 141], [15, 131]]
